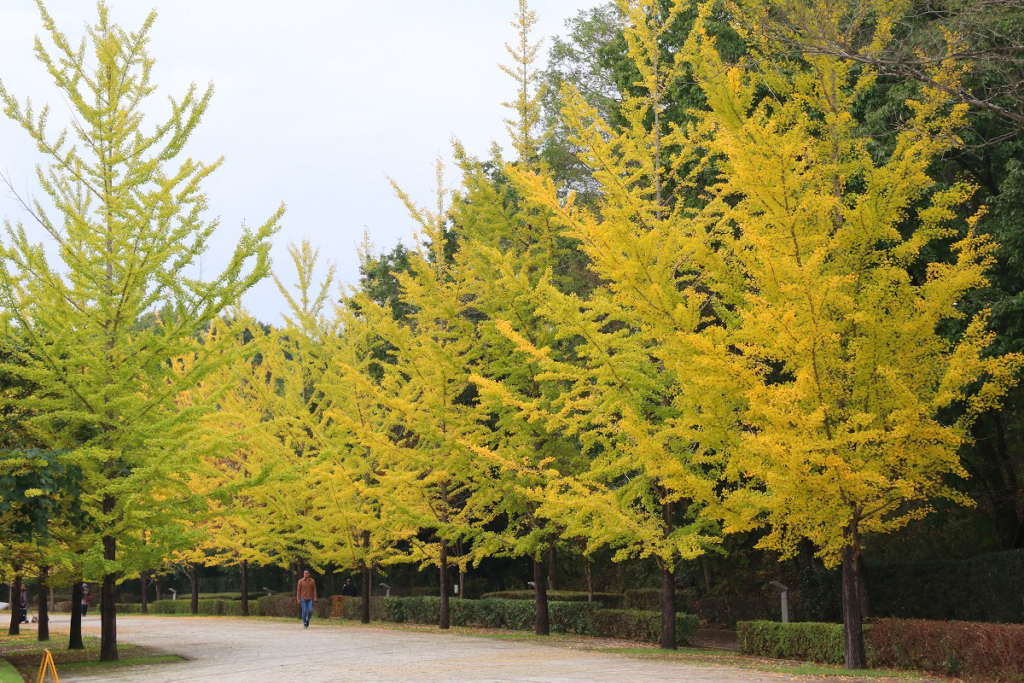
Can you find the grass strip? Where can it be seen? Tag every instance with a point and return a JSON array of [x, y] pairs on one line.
[[8, 674]]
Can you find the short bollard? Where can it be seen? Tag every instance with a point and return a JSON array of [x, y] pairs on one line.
[[45, 666]]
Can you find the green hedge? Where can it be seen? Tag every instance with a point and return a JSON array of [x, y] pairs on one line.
[[610, 600], [822, 643], [642, 626], [582, 618], [969, 650], [180, 606]]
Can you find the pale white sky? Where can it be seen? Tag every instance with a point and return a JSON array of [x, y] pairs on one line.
[[315, 101]]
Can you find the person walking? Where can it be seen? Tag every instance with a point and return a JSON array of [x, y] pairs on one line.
[[24, 605], [349, 589], [305, 595], [86, 598]]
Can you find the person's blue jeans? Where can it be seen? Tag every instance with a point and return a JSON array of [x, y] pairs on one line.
[[307, 610]]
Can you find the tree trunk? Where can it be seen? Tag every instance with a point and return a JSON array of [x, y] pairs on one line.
[[853, 619], [43, 634], [364, 608], [590, 579], [193, 581], [542, 622], [445, 622], [367, 578], [551, 567], [668, 608], [75, 640], [53, 600], [157, 588], [244, 567], [144, 597], [108, 608], [15, 628]]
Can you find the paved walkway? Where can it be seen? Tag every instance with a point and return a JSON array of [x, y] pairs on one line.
[[236, 650]]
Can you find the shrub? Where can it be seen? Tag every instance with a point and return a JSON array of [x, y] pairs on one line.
[[170, 607], [572, 617], [126, 598], [423, 610], [726, 610], [394, 610], [63, 606], [276, 606], [972, 650], [808, 641], [127, 608], [642, 626], [610, 600]]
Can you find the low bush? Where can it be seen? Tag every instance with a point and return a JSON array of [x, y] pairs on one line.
[[809, 641], [969, 650], [170, 607], [346, 607], [610, 600], [643, 626], [276, 606], [63, 606], [128, 608]]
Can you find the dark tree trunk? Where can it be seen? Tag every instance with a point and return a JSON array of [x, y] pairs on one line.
[[445, 621], [15, 628], [43, 633], [542, 623], [668, 584], [367, 581], [853, 619], [590, 579], [367, 578], [144, 582], [245, 587], [668, 608], [75, 640], [108, 608], [193, 582]]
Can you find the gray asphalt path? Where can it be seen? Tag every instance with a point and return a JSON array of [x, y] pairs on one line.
[[235, 651]]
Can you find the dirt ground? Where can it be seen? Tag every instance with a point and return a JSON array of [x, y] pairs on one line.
[[236, 650]]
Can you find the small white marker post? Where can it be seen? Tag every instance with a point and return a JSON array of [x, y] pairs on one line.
[[784, 590]]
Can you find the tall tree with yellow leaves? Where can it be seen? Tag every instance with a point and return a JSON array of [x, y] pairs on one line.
[[852, 395], [426, 393], [631, 399], [127, 225]]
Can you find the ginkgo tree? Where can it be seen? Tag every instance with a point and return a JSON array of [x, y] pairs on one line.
[[630, 398], [852, 390], [509, 247], [425, 391], [125, 214]]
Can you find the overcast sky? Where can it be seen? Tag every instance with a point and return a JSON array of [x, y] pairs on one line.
[[316, 100]]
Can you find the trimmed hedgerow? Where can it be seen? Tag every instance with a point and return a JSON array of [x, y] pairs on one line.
[[276, 606], [642, 626], [969, 650], [808, 641], [610, 600]]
